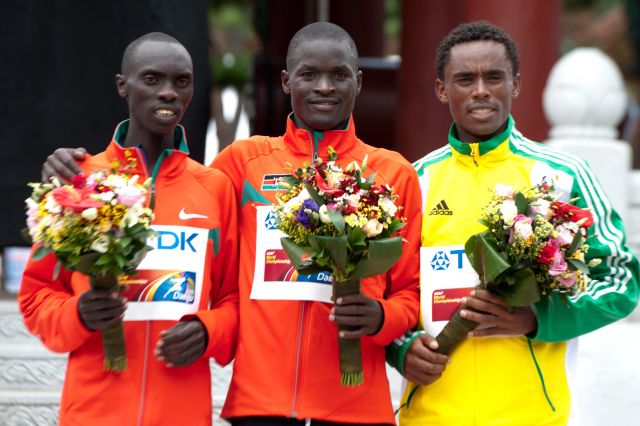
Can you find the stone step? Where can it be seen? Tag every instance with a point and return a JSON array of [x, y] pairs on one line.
[[31, 367], [29, 408]]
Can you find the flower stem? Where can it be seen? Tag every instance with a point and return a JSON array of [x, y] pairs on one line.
[[113, 347], [349, 349]]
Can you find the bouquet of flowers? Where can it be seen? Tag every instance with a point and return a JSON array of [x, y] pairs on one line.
[[97, 225], [338, 221], [533, 245]]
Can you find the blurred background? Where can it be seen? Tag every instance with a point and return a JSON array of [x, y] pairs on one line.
[[58, 90]]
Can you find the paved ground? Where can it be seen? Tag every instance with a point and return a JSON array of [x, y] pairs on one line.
[[607, 376]]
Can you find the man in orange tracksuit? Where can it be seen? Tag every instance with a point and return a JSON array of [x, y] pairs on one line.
[[286, 370], [184, 323]]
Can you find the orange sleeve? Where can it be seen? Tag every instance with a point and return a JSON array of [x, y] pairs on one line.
[[49, 307], [221, 320], [402, 302]]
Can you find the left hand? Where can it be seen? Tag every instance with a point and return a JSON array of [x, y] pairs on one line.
[[359, 311], [182, 344], [494, 314]]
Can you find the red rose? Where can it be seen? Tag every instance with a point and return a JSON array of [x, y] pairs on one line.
[[548, 252], [572, 213], [79, 181]]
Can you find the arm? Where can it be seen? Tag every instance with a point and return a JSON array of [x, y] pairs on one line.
[[613, 291], [414, 356], [49, 307], [63, 163], [401, 303]]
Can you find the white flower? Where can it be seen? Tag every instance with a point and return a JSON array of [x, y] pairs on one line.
[[101, 244], [504, 191], [509, 211], [133, 216], [388, 206], [323, 211], [89, 214], [372, 228], [565, 236], [522, 228], [352, 200], [106, 197], [115, 181], [51, 206], [542, 207]]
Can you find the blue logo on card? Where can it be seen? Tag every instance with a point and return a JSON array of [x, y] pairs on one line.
[[440, 261], [270, 222]]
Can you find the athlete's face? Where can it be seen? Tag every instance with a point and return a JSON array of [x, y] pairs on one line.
[[323, 81], [158, 86], [478, 86]]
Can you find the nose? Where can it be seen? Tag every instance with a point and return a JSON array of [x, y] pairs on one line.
[[324, 85], [168, 92], [480, 89]]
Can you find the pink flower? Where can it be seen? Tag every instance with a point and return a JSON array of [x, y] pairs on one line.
[[567, 279], [75, 199], [521, 228], [558, 265], [129, 195]]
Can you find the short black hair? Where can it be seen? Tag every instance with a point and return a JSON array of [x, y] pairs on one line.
[[319, 31], [474, 31], [133, 46]]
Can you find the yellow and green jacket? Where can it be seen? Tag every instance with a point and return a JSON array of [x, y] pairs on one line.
[[508, 380]]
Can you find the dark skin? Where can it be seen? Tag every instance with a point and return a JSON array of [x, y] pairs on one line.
[[478, 87], [158, 88], [323, 80]]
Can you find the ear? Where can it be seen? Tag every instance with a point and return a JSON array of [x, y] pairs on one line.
[[515, 91], [358, 82], [284, 77], [121, 86], [441, 91]]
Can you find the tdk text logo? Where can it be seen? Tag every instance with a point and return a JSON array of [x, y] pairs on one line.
[[270, 221], [168, 240], [441, 262]]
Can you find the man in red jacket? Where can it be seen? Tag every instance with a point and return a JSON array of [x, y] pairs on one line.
[[184, 324], [286, 370]]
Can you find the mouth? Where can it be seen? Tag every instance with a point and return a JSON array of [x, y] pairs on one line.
[[165, 113], [481, 113], [324, 104]]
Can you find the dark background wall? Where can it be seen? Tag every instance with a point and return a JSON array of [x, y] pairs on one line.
[[57, 88]]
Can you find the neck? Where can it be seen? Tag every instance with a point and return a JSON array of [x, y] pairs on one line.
[[153, 145], [469, 138]]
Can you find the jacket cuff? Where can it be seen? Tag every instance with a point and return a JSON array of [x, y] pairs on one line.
[[397, 350], [392, 323]]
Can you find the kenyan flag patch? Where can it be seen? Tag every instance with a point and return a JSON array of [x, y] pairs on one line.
[[270, 182]]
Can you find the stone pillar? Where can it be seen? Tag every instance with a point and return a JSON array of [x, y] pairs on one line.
[[584, 101]]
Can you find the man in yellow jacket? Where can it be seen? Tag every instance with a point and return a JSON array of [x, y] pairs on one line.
[[515, 369]]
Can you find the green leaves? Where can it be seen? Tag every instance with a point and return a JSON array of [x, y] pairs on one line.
[[484, 258]]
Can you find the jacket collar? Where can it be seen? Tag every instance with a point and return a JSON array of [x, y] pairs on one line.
[[306, 142], [475, 153], [172, 161]]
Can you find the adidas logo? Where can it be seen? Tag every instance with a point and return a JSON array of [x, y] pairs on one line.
[[441, 209]]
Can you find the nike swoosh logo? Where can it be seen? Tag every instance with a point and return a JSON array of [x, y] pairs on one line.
[[186, 216]]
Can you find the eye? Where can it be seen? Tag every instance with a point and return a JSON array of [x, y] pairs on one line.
[[183, 81], [341, 75], [307, 75], [150, 79]]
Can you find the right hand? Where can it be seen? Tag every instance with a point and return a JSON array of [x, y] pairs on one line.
[[422, 364], [100, 309], [63, 164]]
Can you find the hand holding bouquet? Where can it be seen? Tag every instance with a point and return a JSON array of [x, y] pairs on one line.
[[533, 245], [96, 225], [338, 221]]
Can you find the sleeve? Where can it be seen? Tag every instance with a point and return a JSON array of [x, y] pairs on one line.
[[221, 320], [612, 292], [402, 302], [49, 307], [229, 163], [397, 350]]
